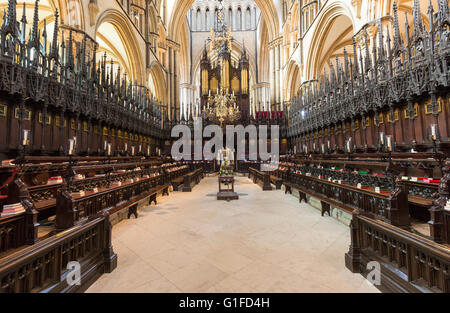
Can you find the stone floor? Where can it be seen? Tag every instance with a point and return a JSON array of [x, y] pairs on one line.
[[265, 242]]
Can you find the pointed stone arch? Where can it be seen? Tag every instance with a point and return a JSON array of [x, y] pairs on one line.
[[318, 47], [293, 80], [181, 7], [125, 32], [157, 81]]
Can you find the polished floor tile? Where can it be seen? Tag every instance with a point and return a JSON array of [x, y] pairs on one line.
[[265, 242]]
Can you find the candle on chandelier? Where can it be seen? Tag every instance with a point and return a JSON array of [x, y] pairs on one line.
[[389, 143], [349, 147], [109, 149], [26, 139], [71, 146], [434, 132]]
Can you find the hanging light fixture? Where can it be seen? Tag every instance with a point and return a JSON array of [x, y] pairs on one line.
[[222, 106]]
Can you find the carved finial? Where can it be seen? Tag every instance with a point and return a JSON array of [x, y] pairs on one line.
[[398, 42], [44, 37], [368, 62], [70, 48], [24, 14], [346, 63], [417, 17], [355, 57], [94, 62], [4, 19], [55, 36], [443, 9], [381, 52], [24, 23], [112, 71], [11, 18], [34, 34], [431, 15], [388, 34], [44, 33]]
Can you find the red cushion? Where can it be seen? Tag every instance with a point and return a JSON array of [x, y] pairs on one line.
[[3, 197]]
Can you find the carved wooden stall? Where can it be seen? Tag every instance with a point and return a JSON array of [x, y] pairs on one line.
[[76, 146], [372, 137], [43, 267], [261, 178], [409, 263], [65, 92], [398, 89]]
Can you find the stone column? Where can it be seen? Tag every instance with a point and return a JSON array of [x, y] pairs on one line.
[[280, 75], [277, 73], [169, 79], [234, 17], [175, 78], [300, 32], [182, 101], [203, 15], [272, 75]]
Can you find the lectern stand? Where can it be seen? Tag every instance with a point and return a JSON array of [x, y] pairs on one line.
[[226, 189]]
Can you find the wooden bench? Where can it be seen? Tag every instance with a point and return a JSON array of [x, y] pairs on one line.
[[288, 189], [260, 177], [152, 194], [392, 208], [164, 189], [278, 182], [177, 182], [46, 262], [70, 209], [192, 179]]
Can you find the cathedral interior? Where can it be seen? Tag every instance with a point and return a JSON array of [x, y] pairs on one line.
[[353, 94]]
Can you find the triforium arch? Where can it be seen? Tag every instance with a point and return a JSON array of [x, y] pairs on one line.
[[293, 80], [181, 7], [333, 34], [133, 59], [157, 82], [263, 54], [69, 13]]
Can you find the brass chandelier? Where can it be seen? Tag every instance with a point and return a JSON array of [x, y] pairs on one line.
[[222, 108]]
